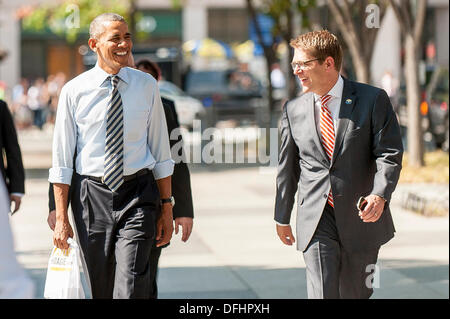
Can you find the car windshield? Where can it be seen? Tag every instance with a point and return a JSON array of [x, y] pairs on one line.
[[167, 88], [231, 82], [205, 82]]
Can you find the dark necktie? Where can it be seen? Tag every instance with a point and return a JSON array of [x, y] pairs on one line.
[[113, 176]]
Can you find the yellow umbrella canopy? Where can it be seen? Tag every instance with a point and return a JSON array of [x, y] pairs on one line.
[[208, 48]]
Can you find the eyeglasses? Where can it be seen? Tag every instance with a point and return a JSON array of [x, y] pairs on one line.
[[302, 65]]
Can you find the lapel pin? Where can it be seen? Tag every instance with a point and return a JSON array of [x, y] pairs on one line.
[[348, 101]]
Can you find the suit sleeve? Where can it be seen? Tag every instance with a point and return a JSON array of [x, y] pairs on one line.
[[288, 172], [181, 180], [387, 147], [14, 172]]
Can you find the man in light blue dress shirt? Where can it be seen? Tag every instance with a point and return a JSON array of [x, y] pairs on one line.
[[112, 118]]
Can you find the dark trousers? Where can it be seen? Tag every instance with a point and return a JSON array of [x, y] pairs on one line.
[[155, 253], [116, 232], [331, 271]]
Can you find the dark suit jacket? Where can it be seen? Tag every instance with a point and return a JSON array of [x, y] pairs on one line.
[[12, 171], [366, 160], [181, 181]]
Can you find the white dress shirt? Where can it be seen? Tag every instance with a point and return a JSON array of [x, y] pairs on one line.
[[334, 105], [81, 125]]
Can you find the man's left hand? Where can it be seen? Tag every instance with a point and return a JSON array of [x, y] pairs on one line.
[[373, 210], [164, 225], [186, 223], [16, 200]]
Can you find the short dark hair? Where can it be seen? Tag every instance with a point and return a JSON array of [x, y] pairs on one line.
[[152, 67], [96, 27]]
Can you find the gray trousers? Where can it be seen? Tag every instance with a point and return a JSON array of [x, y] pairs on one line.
[[331, 271], [116, 232]]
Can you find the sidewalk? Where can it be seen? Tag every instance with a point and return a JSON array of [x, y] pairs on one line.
[[234, 251]]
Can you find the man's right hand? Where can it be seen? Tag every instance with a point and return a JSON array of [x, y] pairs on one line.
[[61, 233], [285, 234]]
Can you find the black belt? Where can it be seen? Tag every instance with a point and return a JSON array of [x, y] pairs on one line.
[[127, 178]]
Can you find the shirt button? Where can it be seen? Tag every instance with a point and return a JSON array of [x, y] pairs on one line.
[[325, 195]]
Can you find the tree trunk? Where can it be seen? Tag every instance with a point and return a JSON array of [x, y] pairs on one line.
[[292, 78], [362, 67], [415, 135], [268, 53]]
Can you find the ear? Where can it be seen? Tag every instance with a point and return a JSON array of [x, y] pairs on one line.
[[329, 62], [92, 44]]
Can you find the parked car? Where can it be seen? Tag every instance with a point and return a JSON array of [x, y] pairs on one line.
[[434, 108], [230, 94], [188, 108]]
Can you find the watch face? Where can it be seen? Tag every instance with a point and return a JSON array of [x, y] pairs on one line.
[[170, 200]]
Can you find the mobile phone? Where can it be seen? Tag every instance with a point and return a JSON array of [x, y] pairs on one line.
[[361, 203]]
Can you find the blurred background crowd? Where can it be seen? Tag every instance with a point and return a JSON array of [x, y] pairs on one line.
[[34, 103]]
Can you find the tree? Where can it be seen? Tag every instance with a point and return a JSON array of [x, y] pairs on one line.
[[359, 33], [269, 52], [282, 12], [411, 17], [71, 18]]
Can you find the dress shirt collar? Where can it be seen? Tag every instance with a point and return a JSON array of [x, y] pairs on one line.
[[336, 90], [100, 75]]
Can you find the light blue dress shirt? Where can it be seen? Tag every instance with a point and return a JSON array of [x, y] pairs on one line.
[[81, 125]]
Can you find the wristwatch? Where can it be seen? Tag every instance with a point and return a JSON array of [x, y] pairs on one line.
[[170, 200]]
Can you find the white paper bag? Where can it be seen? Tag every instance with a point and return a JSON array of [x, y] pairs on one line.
[[63, 273]]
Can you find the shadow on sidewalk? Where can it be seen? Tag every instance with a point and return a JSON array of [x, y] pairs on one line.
[[410, 279]]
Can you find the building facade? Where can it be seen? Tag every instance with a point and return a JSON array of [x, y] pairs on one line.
[[40, 54]]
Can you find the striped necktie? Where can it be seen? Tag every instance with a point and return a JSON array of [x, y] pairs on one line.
[[113, 176], [327, 132]]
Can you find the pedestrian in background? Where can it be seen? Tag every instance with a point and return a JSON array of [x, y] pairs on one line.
[[12, 170], [183, 210], [14, 282]]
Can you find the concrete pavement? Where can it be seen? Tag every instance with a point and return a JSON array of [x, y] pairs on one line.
[[233, 251]]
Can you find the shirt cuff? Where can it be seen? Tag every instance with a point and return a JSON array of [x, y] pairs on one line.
[[282, 224], [18, 194], [60, 175], [163, 169]]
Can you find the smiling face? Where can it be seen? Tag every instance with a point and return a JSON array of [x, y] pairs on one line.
[[317, 76], [113, 46]]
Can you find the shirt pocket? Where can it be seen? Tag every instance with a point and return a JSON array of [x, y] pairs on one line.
[[136, 125]]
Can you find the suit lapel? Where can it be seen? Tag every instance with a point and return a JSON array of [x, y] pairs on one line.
[[345, 112], [314, 128]]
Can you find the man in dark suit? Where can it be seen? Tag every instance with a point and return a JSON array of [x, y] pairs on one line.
[[183, 211], [340, 141], [12, 171]]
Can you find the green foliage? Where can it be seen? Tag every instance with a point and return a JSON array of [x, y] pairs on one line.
[[177, 4], [278, 10], [70, 18]]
